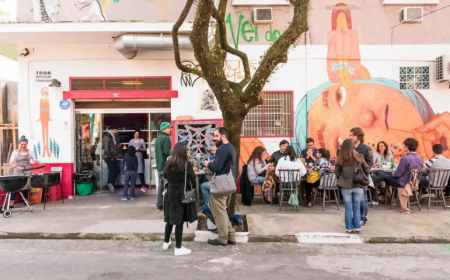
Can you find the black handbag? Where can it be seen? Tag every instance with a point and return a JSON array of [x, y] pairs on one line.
[[191, 195], [359, 176]]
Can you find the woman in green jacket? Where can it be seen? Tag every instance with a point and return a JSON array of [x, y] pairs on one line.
[[352, 192]]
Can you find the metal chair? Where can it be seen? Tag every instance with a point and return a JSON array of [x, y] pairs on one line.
[[415, 190], [328, 183], [437, 181], [289, 181]]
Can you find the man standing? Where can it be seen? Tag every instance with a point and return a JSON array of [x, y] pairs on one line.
[[110, 154], [278, 154], [357, 135], [162, 150], [224, 160], [310, 153]]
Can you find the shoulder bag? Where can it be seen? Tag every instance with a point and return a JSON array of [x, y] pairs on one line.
[[188, 196], [359, 177], [222, 185]]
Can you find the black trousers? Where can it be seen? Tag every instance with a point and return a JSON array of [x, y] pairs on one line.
[[308, 189], [178, 234], [142, 177], [113, 170]]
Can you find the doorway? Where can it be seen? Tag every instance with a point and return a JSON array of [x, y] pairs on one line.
[[91, 127]]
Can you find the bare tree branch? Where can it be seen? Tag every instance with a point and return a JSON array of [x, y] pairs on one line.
[[176, 47], [277, 53], [220, 17]]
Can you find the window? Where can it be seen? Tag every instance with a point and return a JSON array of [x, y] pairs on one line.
[[271, 119], [409, 2], [128, 83], [415, 77], [260, 2]]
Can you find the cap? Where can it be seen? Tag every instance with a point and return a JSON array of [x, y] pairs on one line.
[[165, 125]]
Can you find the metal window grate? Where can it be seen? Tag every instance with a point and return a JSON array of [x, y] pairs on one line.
[[272, 118]]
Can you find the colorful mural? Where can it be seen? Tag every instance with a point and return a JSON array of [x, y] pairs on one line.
[[353, 98]]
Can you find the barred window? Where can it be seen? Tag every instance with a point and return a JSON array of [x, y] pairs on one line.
[[272, 118]]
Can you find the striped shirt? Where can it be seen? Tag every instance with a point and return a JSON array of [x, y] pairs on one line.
[[438, 162]]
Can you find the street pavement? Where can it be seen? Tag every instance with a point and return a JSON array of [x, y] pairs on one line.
[[113, 260], [105, 216]]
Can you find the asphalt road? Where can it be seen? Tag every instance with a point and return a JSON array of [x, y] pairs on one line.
[[91, 259]]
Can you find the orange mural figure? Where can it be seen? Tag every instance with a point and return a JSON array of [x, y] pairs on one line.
[[344, 59], [352, 98], [44, 118]]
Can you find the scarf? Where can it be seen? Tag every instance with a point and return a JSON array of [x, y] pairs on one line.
[[113, 137]]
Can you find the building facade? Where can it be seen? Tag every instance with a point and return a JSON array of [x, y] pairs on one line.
[[358, 65]]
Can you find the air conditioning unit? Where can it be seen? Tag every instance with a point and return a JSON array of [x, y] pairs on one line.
[[443, 68], [262, 15], [411, 14]]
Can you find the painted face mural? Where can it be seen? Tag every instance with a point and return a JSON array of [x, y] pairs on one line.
[[353, 98]]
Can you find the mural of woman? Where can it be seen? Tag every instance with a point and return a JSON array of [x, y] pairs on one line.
[[379, 106], [44, 118]]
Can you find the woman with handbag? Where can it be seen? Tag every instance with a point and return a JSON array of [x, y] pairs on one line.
[[316, 172], [179, 197], [349, 165]]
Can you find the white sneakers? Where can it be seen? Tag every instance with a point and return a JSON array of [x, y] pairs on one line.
[[166, 245], [178, 252], [182, 251]]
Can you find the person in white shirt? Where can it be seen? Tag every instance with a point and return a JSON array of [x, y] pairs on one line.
[[289, 161], [382, 154], [20, 160]]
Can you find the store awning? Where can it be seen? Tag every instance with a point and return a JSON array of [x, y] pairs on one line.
[[111, 94]]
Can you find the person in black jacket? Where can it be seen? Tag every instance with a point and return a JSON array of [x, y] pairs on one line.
[[278, 154], [178, 169], [129, 167], [357, 135]]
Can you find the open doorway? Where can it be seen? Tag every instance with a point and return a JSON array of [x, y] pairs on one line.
[[89, 147]]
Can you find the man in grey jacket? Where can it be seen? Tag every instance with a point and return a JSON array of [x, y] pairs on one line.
[[110, 154], [357, 135]]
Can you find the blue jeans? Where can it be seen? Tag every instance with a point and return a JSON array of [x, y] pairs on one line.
[[205, 187], [364, 206], [258, 180], [129, 179], [352, 202]]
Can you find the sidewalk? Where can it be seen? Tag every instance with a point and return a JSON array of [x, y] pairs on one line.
[[105, 216]]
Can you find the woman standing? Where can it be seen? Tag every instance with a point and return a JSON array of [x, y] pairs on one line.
[[139, 144], [20, 159], [352, 192], [256, 166], [178, 171], [321, 165]]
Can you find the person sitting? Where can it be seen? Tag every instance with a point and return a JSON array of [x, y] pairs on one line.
[[321, 165], [382, 154], [401, 175], [310, 153], [278, 154], [256, 166], [206, 185], [289, 161], [438, 162]]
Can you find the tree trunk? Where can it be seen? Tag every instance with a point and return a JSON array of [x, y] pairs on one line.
[[234, 129]]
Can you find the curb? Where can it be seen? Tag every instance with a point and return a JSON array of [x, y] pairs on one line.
[[191, 236]]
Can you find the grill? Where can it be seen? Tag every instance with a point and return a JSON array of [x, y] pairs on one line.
[[46, 180], [12, 184]]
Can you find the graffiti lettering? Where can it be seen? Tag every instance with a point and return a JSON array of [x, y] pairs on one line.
[[249, 32], [186, 79], [235, 70]]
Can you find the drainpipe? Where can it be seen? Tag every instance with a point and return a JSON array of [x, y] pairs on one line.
[[129, 44]]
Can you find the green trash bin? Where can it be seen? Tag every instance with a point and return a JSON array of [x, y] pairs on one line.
[[84, 188]]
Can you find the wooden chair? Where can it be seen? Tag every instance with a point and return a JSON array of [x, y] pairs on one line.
[[328, 183], [414, 191], [289, 181], [258, 191], [437, 181]]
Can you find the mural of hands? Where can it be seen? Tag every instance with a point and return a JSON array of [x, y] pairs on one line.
[[436, 131]]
